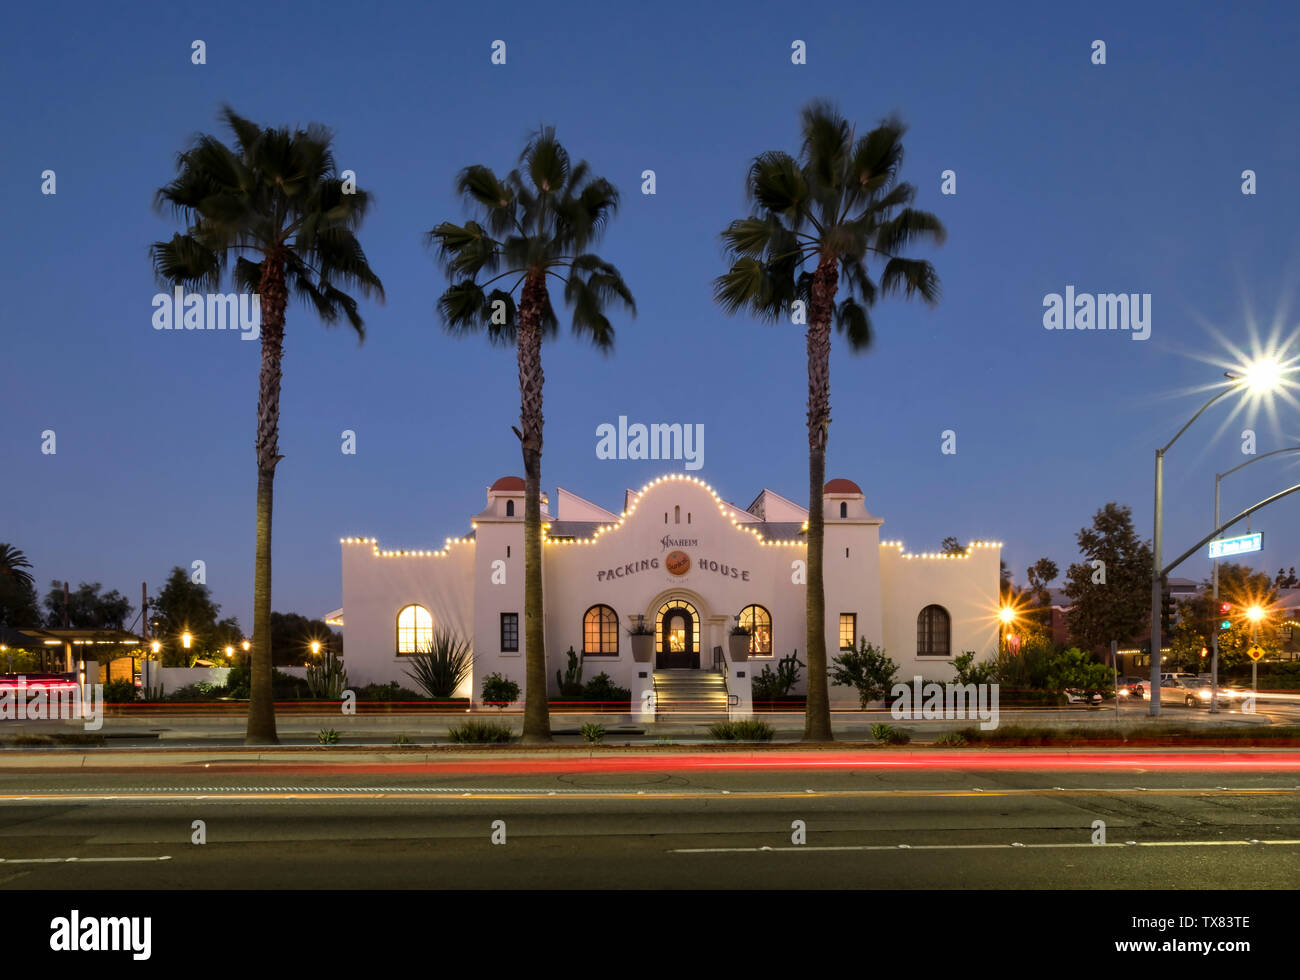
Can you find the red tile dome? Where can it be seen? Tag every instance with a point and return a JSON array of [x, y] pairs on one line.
[[841, 485], [509, 483]]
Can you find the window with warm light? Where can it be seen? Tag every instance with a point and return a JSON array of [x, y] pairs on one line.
[[848, 631], [758, 621], [600, 632], [414, 629], [933, 632]]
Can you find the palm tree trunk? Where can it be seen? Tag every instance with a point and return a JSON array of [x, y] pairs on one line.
[[817, 714], [273, 297], [537, 715]]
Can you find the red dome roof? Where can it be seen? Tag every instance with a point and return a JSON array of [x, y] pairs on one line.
[[841, 485], [509, 483]]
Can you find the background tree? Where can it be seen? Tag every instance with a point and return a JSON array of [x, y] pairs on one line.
[[1198, 621], [181, 606], [951, 546], [87, 609], [19, 607], [535, 224], [1119, 608], [816, 224], [1038, 597], [292, 635], [275, 196]]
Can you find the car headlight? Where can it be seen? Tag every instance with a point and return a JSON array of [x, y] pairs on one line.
[[1203, 695]]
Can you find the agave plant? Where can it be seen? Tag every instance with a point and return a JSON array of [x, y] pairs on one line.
[[443, 665], [327, 679]]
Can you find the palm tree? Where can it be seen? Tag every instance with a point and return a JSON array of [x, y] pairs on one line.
[[14, 565], [815, 219], [536, 223], [275, 205]]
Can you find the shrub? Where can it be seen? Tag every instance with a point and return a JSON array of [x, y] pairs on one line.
[[602, 688], [890, 735], [327, 736], [402, 740], [479, 732], [120, 692], [741, 731], [951, 738], [592, 732], [26, 741], [499, 691], [768, 685], [443, 665], [283, 686], [202, 691], [970, 672], [392, 691], [867, 669]]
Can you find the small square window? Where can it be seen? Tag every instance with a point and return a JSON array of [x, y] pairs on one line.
[[510, 632]]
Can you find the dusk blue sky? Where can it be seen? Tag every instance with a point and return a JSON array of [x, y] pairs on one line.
[[1116, 178]]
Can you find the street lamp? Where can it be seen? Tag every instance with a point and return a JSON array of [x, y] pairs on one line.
[[230, 652], [1262, 376], [315, 647], [1214, 658], [186, 639], [155, 646]]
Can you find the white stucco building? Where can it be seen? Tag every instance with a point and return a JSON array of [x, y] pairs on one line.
[[687, 561]]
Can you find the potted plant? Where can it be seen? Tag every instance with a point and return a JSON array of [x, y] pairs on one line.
[[643, 640], [738, 643]]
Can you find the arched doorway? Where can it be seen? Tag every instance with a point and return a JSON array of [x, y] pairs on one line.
[[677, 636]]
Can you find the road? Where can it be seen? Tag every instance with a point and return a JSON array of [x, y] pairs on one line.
[[1223, 820]]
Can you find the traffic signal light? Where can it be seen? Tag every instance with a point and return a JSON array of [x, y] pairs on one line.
[[1225, 616], [1167, 613]]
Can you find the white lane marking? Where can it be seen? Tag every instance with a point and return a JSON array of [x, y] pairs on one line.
[[973, 847]]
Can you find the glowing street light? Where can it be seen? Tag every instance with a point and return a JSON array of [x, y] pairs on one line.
[[1007, 615], [230, 652], [247, 646], [155, 646], [1261, 377], [1255, 613], [186, 639], [315, 647]]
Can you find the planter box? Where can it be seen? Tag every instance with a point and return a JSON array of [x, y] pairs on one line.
[[643, 647], [738, 647]]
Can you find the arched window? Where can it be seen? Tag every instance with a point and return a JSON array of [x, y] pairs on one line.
[[844, 509], [510, 508], [758, 621], [677, 514], [599, 631], [414, 629], [933, 631]]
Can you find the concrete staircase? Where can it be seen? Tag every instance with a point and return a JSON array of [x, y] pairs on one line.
[[689, 693]]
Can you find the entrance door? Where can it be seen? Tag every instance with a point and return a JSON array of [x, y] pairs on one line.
[[677, 648]]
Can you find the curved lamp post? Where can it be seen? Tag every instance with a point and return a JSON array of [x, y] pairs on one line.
[[1262, 377], [1214, 659]]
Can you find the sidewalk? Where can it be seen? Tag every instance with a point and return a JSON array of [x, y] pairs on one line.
[[180, 727]]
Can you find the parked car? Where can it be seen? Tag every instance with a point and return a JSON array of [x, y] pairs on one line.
[[1132, 687], [1083, 697]]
